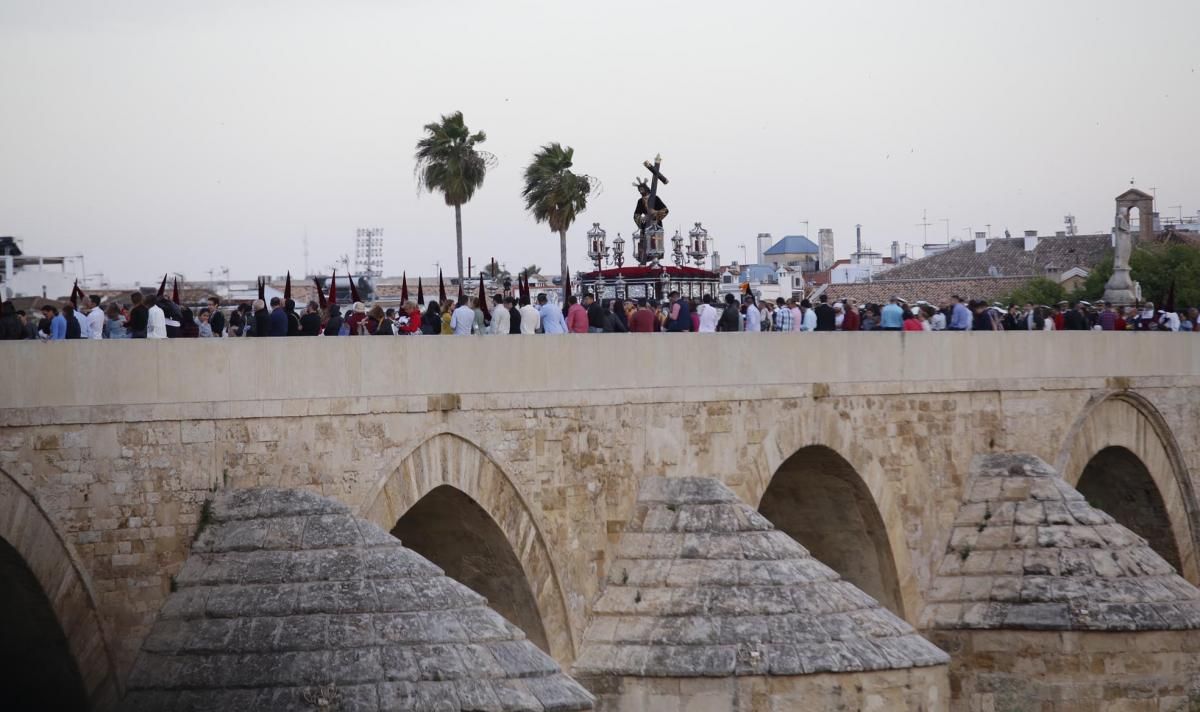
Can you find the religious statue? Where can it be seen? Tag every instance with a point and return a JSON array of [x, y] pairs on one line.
[[648, 215], [1119, 289], [1122, 240]]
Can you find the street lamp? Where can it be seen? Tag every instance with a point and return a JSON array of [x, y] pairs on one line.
[[677, 251], [597, 250], [698, 244], [619, 251]]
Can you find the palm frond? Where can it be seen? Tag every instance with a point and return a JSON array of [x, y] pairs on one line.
[[448, 161]]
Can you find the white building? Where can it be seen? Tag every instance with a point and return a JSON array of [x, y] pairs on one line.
[[37, 276]]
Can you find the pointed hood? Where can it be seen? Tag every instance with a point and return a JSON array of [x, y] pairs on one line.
[[75, 294], [441, 288], [420, 293], [404, 286], [175, 291], [333, 288], [162, 288], [287, 286], [354, 290], [262, 290], [487, 316], [320, 294]]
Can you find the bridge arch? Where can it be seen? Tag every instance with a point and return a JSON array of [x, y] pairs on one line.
[[800, 477], [1120, 453], [447, 475], [46, 598]]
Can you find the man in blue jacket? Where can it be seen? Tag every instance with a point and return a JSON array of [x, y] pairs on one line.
[[279, 319], [680, 318]]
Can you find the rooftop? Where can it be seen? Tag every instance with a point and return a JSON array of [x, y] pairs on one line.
[[793, 244], [1006, 257]]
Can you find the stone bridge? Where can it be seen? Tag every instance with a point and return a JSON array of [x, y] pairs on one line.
[[514, 463]]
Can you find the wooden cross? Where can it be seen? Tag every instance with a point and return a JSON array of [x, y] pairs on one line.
[[656, 176]]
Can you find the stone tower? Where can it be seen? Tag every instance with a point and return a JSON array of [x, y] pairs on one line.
[[825, 243]]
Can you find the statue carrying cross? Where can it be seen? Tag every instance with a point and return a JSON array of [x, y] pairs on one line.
[[648, 214]]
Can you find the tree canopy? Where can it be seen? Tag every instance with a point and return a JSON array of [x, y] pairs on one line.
[[554, 194], [1155, 267], [448, 160], [1037, 291]]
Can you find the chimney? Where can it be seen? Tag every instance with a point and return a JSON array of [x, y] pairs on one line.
[[1061, 233], [980, 242], [895, 252], [716, 261], [858, 239], [1031, 240]]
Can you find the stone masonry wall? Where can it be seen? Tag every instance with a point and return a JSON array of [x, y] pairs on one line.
[[1036, 671], [124, 483]]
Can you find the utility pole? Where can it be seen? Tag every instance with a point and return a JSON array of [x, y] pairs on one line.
[[947, 221], [924, 224]]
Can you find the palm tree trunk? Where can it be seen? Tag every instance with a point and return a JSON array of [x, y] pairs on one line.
[[458, 234], [562, 248]]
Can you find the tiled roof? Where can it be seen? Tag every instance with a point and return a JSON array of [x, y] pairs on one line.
[[793, 244], [934, 291], [1006, 257]]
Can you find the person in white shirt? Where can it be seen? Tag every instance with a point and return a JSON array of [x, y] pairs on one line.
[[500, 318], [797, 315], [156, 323], [753, 317], [808, 320], [95, 318], [531, 319], [462, 319], [709, 316]]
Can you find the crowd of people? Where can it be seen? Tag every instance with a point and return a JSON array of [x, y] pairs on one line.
[[160, 318]]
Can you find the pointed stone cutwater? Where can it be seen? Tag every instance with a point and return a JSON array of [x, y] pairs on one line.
[[1041, 597], [707, 607], [289, 601]]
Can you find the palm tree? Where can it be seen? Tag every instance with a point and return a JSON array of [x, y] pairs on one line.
[[448, 161], [532, 269], [554, 194]]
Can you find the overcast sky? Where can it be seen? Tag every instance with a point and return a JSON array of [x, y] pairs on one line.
[[180, 136]]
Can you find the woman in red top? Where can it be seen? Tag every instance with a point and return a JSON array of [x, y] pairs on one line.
[[414, 318], [911, 322]]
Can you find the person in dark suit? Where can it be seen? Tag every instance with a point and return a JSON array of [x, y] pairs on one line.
[[826, 317], [278, 319]]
